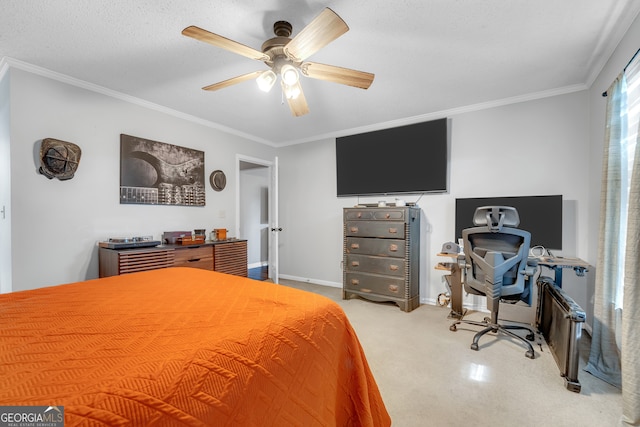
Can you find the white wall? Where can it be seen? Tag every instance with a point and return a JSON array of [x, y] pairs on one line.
[[310, 213], [530, 148], [56, 224]]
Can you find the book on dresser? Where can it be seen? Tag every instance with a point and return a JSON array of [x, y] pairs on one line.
[[381, 255]]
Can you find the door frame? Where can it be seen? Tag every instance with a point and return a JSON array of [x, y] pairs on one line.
[[272, 211], [6, 284]]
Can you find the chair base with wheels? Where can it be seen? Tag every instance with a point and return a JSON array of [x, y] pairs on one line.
[[491, 326]]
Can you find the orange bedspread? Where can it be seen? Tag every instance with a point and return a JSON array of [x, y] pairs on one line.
[[183, 346]]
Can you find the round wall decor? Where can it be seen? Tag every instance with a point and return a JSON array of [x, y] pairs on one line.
[[218, 180], [59, 159]]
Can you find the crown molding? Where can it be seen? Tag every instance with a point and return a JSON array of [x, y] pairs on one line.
[[6, 63], [444, 113], [615, 29], [4, 67]]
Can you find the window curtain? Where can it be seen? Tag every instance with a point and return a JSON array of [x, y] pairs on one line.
[[631, 303], [605, 358], [616, 329]]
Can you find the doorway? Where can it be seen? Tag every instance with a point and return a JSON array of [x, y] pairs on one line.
[[254, 198]]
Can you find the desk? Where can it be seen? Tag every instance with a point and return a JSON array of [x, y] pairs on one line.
[[454, 280], [557, 264]]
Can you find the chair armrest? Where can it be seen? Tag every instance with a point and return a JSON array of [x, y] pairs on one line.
[[532, 266]]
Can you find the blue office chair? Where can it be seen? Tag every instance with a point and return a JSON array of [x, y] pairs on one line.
[[497, 265]]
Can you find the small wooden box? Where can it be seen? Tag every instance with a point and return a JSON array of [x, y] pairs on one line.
[[188, 240]]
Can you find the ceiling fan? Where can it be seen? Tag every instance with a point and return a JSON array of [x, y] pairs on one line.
[[286, 56]]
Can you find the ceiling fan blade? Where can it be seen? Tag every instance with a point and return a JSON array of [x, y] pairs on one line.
[[325, 28], [298, 105], [233, 81], [335, 74], [223, 42]]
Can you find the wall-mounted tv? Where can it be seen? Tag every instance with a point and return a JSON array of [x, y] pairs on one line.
[[406, 159], [539, 215]]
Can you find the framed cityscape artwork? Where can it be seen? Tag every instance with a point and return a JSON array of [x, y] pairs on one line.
[[156, 173]]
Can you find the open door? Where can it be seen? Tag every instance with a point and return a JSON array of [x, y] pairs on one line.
[[274, 225]]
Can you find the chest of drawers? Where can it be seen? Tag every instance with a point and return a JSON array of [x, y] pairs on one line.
[[381, 255]]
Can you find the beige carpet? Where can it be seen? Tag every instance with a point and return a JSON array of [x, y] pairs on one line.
[[428, 375]]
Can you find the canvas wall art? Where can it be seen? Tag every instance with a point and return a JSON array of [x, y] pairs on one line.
[[156, 173]]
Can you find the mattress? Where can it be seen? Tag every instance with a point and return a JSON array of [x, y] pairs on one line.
[[188, 347]]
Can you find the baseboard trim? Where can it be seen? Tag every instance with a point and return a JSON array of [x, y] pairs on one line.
[[258, 264], [314, 281]]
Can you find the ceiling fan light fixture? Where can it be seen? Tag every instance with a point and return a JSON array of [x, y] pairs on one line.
[[285, 55], [289, 74], [266, 80], [290, 91]]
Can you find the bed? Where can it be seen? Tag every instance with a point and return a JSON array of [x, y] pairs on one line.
[[185, 347]]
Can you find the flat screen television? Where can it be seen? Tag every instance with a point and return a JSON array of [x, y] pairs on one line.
[[406, 159], [539, 215]]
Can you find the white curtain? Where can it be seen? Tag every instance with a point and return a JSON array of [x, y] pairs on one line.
[[631, 304], [615, 346], [604, 359]]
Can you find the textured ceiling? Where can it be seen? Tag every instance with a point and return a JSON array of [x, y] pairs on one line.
[[430, 57]]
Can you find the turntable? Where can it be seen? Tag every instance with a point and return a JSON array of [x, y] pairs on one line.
[[129, 242]]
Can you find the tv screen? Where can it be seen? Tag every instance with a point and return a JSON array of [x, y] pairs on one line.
[[539, 215], [406, 159]]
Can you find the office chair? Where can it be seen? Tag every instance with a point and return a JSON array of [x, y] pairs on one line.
[[496, 265]]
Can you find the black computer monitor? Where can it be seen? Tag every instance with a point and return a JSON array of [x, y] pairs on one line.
[[539, 215]]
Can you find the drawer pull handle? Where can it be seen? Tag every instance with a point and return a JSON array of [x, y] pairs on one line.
[[355, 282], [354, 229], [393, 288], [355, 246], [359, 215], [355, 263], [393, 230], [388, 215], [194, 260], [393, 248], [393, 267]]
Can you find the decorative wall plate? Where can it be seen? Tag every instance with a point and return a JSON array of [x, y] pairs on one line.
[[59, 159], [218, 180]]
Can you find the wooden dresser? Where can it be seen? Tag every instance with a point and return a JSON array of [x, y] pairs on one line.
[[225, 256], [231, 257], [381, 255]]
